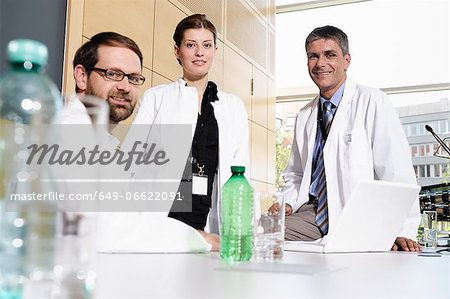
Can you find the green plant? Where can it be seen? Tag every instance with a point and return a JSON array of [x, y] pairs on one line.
[[283, 150]]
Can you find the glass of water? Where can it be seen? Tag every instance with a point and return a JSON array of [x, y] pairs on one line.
[[430, 232], [269, 222]]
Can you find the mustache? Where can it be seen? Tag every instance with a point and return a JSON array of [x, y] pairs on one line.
[[122, 95], [320, 70]]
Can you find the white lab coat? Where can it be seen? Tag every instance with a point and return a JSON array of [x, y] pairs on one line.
[[123, 231], [366, 141], [74, 120], [176, 103]]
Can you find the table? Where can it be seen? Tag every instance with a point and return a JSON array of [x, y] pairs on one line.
[[298, 275]]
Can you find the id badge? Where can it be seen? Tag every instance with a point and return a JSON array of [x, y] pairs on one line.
[[199, 184]]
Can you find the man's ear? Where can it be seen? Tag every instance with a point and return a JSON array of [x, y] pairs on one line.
[[80, 75], [347, 60]]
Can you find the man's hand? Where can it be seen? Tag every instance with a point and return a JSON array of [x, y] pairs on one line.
[[276, 206], [212, 239], [405, 244]]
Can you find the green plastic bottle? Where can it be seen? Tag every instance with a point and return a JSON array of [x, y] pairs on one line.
[[29, 100], [236, 227]]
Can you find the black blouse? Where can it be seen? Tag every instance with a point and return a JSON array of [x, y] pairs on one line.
[[205, 151]]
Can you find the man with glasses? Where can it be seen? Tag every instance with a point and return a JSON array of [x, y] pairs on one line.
[[109, 66]]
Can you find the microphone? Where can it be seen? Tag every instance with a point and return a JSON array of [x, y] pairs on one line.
[[438, 139]]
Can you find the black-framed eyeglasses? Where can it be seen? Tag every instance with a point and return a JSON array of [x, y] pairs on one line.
[[116, 75]]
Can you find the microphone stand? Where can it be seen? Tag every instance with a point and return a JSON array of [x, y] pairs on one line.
[[440, 141], [447, 149]]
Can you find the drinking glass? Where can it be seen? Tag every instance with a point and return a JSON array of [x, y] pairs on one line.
[[269, 225]]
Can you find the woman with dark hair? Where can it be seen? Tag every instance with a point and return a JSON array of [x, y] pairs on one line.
[[219, 120]]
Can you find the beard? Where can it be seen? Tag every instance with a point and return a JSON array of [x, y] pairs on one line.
[[117, 112]]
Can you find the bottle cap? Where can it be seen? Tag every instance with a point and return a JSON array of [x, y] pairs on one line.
[[238, 169], [21, 50]]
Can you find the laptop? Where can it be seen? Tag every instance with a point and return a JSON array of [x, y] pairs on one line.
[[370, 220]]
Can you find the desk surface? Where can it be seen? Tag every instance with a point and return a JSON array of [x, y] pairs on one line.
[[299, 275]]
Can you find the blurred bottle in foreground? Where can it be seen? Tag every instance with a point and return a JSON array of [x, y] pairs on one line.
[[29, 101], [236, 227]]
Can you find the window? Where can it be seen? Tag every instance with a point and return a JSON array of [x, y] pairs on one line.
[[414, 151], [413, 129], [421, 129], [421, 95], [406, 130], [421, 150], [377, 48], [435, 147], [427, 171], [443, 126], [290, 122], [416, 170], [444, 169], [437, 170]]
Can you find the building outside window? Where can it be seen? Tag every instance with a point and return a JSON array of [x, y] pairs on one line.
[[390, 55]]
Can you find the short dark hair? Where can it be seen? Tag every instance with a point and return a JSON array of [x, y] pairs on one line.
[[87, 54], [329, 32], [196, 21]]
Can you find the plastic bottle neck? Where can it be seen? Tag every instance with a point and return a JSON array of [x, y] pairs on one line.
[[238, 173], [26, 66]]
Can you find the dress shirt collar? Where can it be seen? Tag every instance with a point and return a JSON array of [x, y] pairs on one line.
[[336, 98]]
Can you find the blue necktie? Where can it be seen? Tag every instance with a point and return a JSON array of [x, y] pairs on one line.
[[319, 185]]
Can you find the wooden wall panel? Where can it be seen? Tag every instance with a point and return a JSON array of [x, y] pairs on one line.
[[246, 51], [213, 9], [237, 75], [261, 6], [259, 153], [147, 73], [271, 56], [216, 73], [74, 39], [259, 97], [166, 19], [157, 79], [133, 18], [246, 31], [271, 105]]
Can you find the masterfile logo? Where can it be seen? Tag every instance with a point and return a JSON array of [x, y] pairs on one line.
[[90, 170]]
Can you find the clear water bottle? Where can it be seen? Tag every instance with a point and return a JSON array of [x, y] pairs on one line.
[[236, 227], [29, 100]]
